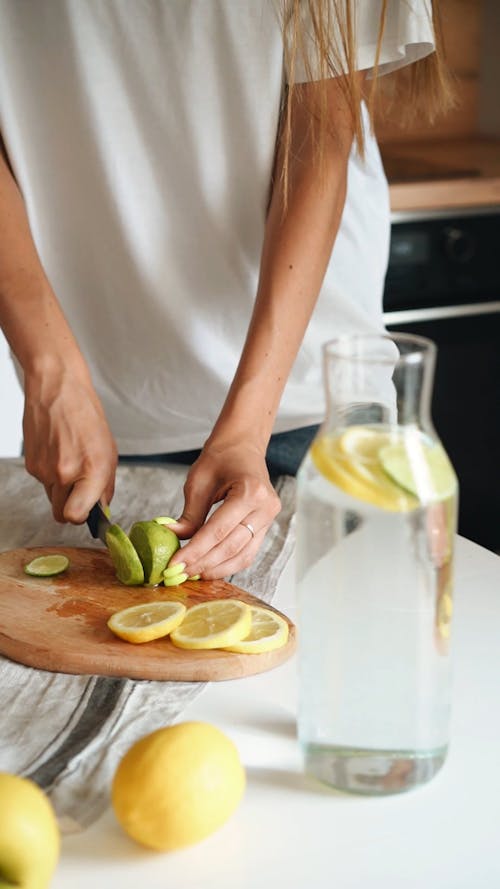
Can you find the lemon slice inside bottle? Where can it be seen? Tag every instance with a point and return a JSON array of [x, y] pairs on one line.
[[147, 621], [47, 566], [215, 624], [351, 461]]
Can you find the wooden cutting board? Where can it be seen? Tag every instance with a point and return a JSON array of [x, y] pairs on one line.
[[59, 623]]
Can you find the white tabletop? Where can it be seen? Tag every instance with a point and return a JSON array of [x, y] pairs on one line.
[[291, 832]]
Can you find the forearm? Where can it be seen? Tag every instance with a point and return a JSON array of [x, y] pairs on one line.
[[296, 251], [30, 316]]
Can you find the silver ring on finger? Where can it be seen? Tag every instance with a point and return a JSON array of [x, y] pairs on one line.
[[249, 526]]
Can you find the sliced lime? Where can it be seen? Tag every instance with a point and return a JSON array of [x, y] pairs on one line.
[[127, 563], [419, 467], [155, 545], [47, 566], [164, 520]]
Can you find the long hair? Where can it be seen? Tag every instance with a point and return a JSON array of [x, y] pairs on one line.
[[320, 37]]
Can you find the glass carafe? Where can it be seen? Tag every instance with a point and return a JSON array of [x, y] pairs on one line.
[[376, 518]]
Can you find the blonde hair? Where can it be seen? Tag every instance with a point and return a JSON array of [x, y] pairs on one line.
[[320, 36]]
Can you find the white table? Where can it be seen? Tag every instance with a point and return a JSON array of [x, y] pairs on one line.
[[292, 832]]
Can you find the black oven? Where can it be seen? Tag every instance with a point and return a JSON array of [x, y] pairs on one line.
[[443, 282]]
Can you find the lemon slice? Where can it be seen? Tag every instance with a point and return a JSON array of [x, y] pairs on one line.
[[214, 624], [268, 631], [422, 469], [148, 621], [350, 462], [361, 446], [127, 563], [47, 566]]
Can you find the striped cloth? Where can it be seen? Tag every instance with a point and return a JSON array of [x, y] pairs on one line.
[[68, 732]]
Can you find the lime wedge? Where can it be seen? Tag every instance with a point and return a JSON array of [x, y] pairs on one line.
[[127, 563], [155, 545], [47, 566], [421, 468]]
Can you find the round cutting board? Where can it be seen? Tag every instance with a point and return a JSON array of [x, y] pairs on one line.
[[59, 623]]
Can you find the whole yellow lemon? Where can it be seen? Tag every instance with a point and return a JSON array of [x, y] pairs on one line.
[[29, 835], [177, 785]]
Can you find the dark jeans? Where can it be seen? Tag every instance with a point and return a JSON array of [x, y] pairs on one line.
[[284, 455]]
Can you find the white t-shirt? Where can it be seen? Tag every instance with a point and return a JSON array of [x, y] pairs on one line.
[[142, 137]]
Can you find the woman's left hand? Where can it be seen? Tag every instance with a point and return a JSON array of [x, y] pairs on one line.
[[236, 477]]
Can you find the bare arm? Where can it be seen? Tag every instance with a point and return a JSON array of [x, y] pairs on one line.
[[296, 251], [61, 405]]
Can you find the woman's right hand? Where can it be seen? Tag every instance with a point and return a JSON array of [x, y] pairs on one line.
[[68, 444]]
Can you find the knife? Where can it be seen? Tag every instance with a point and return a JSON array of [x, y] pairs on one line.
[[98, 522]]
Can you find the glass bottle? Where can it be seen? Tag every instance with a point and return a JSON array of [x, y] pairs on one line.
[[376, 518]]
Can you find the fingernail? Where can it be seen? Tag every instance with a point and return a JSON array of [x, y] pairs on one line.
[[173, 570], [175, 580]]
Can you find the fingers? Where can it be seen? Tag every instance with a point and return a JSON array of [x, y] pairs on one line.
[[72, 494], [84, 493], [225, 544]]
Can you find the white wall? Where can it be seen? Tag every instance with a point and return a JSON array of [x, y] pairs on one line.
[[11, 405]]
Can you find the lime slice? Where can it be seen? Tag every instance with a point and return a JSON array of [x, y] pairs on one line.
[[164, 520], [127, 563], [420, 468], [155, 545], [47, 566], [147, 621]]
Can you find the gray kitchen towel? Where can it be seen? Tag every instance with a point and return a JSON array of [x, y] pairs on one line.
[[69, 732]]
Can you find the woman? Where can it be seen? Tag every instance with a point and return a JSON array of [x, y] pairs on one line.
[[191, 203]]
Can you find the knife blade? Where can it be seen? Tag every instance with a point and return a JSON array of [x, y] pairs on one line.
[[98, 522]]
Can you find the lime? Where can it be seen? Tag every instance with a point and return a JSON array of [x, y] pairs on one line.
[[155, 545], [147, 621], [125, 559], [421, 468], [164, 520], [47, 566]]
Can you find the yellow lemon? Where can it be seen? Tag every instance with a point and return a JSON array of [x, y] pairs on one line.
[[177, 785], [29, 835], [214, 624], [268, 631], [147, 621]]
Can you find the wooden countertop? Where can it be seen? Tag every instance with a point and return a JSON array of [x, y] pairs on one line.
[[443, 174]]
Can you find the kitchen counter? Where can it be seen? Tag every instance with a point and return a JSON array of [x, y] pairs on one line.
[[290, 831], [444, 174]]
